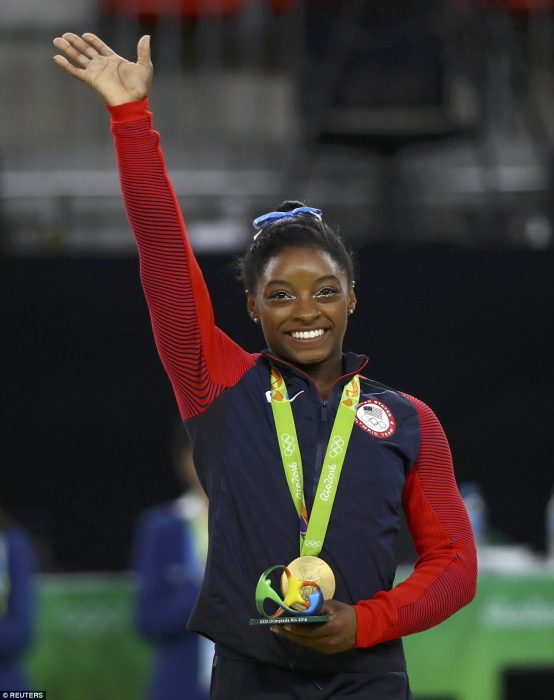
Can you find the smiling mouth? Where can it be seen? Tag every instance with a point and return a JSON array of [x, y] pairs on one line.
[[307, 335]]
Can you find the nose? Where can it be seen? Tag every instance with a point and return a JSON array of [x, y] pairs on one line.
[[306, 310]]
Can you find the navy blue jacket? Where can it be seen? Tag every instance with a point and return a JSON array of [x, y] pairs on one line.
[[253, 521]]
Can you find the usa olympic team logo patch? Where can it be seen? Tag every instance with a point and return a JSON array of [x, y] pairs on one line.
[[376, 418]]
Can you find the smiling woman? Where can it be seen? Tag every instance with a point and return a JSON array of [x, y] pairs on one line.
[[302, 297], [298, 451]]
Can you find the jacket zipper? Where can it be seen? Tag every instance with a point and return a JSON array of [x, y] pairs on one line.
[[322, 440]]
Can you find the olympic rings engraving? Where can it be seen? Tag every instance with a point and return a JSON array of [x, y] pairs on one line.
[[287, 442], [377, 423], [336, 445]]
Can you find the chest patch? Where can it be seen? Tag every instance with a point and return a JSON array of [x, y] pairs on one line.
[[376, 418]]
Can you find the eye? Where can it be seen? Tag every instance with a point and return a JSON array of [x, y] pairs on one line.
[[328, 292], [280, 296]]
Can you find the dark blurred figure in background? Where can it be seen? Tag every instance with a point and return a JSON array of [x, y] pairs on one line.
[[170, 549], [17, 603]]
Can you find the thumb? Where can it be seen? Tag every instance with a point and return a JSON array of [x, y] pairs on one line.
[[143, 51]]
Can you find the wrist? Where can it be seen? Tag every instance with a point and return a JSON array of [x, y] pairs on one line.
[[130, 110], [121, 100], [361, 628], [116, 96]]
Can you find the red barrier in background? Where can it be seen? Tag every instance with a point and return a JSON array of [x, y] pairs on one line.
[[187, 9]]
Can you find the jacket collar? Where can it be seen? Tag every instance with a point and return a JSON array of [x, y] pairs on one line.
[[351, 362]]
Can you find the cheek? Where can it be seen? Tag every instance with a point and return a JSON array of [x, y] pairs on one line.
[[269, 320], [273, 325]]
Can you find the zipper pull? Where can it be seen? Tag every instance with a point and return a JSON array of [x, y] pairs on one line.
[[324, 411]]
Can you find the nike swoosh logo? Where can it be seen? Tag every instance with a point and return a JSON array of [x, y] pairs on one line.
[[268, 395]]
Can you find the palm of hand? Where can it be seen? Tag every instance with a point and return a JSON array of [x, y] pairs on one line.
[[114, 78], [104, 71]]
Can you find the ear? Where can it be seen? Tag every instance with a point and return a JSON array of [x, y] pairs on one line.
[[351, 303], [251, 307]]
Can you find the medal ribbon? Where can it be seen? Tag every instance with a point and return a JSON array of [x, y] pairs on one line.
[[313, 529]]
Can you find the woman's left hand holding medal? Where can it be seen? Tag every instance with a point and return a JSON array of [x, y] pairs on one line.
[[339, 634]]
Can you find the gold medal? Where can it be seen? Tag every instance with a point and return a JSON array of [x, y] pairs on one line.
[[311, 569]]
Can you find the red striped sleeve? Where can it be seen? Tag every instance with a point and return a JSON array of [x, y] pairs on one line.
[[445, 575], [199, 358]]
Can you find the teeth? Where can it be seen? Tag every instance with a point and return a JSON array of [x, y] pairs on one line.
[[306, 335]]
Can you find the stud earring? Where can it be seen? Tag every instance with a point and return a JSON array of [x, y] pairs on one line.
[[350, 312]]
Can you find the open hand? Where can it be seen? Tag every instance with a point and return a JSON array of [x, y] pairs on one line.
[[115, 79], [339, 634]]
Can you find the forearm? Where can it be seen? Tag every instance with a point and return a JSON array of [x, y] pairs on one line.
[[443, 581], [445, 575]]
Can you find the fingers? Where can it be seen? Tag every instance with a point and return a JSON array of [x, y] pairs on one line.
[[323, 644], [339, 634], [143, 51], [97, 44], [317, 631], [75, 56], [326, 641], [79, 51], [80, 45], [68, 67]]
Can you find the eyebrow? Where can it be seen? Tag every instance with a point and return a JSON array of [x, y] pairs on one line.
[[319, 279]]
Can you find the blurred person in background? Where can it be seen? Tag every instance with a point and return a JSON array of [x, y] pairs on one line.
[[169, 554], [17, 603], [299, 286]]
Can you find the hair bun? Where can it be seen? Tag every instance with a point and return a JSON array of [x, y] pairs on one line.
[[286, 228], [289, 205]]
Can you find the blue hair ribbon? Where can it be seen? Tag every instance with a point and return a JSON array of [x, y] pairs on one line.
[[266, 219]]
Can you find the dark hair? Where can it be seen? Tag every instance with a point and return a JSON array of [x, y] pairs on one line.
[[292, 232]]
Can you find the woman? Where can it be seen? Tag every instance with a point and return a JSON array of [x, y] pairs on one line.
[[253, 418]]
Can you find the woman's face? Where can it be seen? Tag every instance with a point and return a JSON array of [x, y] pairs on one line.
[[302, 299]]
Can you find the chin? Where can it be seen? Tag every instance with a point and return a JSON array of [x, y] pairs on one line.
[[308, 358]]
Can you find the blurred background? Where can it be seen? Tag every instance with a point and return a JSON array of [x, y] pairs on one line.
[[425, 132]]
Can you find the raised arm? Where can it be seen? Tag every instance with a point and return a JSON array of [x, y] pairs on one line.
[[201, 360]]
